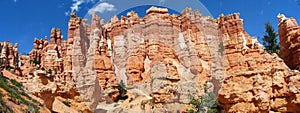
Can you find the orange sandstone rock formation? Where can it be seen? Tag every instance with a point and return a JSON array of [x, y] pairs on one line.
[[165, 60], [163, 56], [289, 33], [255, 81], [9, 53]]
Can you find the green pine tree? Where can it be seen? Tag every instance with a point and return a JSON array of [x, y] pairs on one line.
[[270, 39]]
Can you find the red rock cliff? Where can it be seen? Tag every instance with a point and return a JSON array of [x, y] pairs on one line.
[[255, 81], [165, 60], [289, 33]]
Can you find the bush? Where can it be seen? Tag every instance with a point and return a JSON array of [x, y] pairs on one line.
[[36, 62], [49, 72], [3, 107], [123, 91], [196, 103], [122, 88], [212, 111], [67, 103], [14, 93], [14, 82], [207, 103], [192, 111]]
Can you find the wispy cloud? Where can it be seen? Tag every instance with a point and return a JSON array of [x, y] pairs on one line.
[[161, 2], [67, 13], [76, 4], [102, 7], [75, 7]]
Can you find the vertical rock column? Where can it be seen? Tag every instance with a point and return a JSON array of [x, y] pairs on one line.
[[289, 33]]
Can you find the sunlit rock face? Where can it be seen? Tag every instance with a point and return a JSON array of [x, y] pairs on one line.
[[255, 81], [165, 57], [163, 60], [47, 71], [10, 58], [9, 54], [289, 33]]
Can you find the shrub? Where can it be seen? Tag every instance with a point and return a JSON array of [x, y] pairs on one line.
[[36, 62], [14, 82], [207, 103], [212, 111], [3, 107], [122, 90], [14, 93], [49, 71], [192, 111], [67, 103]]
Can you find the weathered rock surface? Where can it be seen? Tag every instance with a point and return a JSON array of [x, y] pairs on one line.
[[289, 33], [49, 68], [165, 57], [164, 60], [255, 81], [49, 55], [60, 107], [9, 56]]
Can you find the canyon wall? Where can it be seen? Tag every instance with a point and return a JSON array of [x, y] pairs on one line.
[[9, 54], [255, 80], [165, 57], [163, 60], [289, 33]]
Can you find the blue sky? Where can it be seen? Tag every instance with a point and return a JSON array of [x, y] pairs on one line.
[[23, 20]]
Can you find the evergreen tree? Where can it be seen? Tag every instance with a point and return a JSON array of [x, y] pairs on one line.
[[122, 88], [269, 39], [122, 91]]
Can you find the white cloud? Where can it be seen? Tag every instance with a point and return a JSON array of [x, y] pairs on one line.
[[76, 4], [67, 13], [102, 7]]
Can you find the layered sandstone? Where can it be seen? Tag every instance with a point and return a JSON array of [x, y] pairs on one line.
[[164, 60], [49, 54], [165, 57], [289, 33], [10, 59], [255, 81], [49, 74], [9, 54]]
